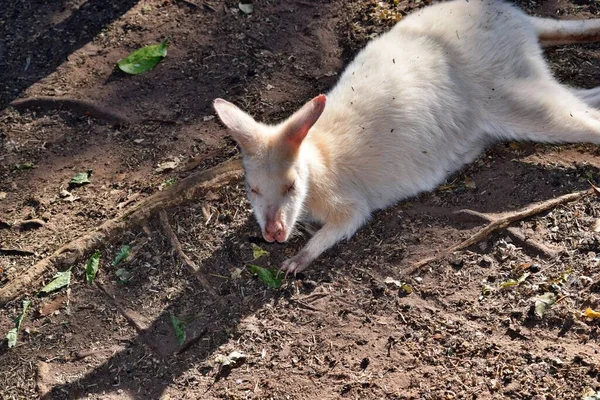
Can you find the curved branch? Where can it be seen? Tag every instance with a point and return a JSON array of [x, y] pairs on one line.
[[67, 103], [176, 194]]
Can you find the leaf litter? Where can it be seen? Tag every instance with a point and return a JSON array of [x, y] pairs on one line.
[[13, 334]]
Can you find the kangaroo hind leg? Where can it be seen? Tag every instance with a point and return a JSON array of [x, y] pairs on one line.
[[547, 112], [589, 96]]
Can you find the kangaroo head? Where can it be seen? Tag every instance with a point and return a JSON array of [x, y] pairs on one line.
[[276, 173]]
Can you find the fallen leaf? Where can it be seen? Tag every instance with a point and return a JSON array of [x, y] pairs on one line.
[[91, 269], [392, 281], [179, 328], [52, 306], [589, 313], [68, 196], [61, 279], [25, 165], [208, 118], [257, 252], [122, 255], [123, 276], [512, 282], [144, 59], [405, 289], [237, 273], [470, 183], [167, 166], [212, 196], [246, 7], [230, 359], [596, 225], [544, 303], [12, 335], [3, 195], [267, 276], [80, 178]]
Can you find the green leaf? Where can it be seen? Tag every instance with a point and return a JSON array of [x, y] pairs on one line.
[[92, 267], [267, 276], [544, 303], [81, 178], [405, 289], [121, 255], [25, 165], [61, 279], [12, 335], [123, 276], [508, 283], [179, 328], [144, 59], [170, 181], [257, 252], [512, 282]]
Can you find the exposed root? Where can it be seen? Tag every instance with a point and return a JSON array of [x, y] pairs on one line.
[[498, 224], [176, 194], [189, 263], [66, 103]]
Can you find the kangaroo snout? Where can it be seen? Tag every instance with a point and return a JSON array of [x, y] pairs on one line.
[[274, 231]]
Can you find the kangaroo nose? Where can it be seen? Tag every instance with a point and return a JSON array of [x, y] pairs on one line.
[[274, 231]]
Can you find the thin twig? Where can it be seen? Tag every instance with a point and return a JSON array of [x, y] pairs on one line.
[[189, 263], [499, 224]]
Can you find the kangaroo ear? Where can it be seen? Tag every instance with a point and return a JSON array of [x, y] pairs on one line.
[[242, 126], [297, 126]]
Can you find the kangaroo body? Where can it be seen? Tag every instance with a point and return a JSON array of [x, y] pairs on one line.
[[415, 105]]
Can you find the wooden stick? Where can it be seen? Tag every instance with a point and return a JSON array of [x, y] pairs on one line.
[[499, 224], [189, 263]]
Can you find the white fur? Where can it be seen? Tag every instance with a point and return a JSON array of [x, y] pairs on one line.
[[417, 104]]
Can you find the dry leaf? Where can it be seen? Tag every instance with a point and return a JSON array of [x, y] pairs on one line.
[[167, 166], [596, 225], [589, 313], [52, 306], [212, 196], [470, 184], [237, 273]]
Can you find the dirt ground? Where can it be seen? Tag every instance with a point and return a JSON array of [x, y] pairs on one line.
[[337, 331]]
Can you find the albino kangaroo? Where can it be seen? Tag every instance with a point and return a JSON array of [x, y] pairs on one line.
[[414, 106]]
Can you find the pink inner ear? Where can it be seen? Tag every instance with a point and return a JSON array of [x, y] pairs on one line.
[[300, 123]]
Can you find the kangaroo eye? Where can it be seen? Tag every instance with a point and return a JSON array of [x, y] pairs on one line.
[[290, 187], [255, 191]]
